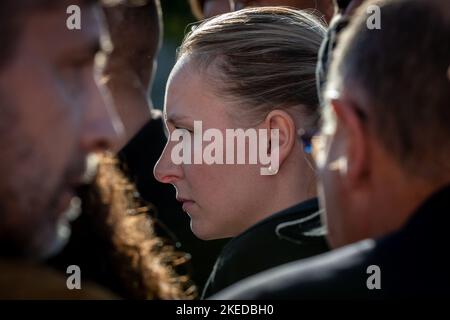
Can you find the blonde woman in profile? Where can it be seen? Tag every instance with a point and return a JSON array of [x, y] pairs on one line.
[[253, 68]]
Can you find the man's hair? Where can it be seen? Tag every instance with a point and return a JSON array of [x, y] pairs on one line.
[[265, 57], [400, 75]]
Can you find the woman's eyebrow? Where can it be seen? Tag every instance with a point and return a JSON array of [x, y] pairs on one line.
[[176, 118]]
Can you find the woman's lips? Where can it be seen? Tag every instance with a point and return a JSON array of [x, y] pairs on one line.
[[187, 204]]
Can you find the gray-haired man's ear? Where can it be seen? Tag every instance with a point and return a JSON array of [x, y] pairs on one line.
[[350, 154]]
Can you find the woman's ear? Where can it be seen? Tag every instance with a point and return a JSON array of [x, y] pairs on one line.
[[283, 122]]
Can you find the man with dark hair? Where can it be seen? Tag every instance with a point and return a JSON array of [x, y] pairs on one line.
[[128, 73], [383, 162], [54, 117]]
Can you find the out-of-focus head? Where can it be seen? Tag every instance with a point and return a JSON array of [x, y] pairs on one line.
[[325, 7], [204, 9], [53, 117], [135, 28], [384, 144], [249, 69]]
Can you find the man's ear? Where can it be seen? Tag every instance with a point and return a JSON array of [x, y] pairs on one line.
[[282, 121], [355, 161]]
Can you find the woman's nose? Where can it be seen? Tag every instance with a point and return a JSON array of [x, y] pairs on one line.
[[165, 170]]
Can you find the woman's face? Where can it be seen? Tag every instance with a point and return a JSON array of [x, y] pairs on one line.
[[222, 199]]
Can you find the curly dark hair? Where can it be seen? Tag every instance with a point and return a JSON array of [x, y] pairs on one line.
[[144, 262]]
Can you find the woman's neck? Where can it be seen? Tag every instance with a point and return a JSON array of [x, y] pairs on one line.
[[293, 184]]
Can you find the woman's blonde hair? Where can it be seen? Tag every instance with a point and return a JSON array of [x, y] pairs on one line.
[[265, 58]]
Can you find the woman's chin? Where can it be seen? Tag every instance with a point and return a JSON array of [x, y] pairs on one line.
[[200, 231], [204, 233]]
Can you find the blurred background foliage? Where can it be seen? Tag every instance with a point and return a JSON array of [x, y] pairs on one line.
[[177, 15]]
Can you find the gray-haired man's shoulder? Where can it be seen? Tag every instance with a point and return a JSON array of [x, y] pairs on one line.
[[338, 274]]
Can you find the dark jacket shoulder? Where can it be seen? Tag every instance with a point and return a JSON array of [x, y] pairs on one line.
[[292, 234], [411, 262]]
